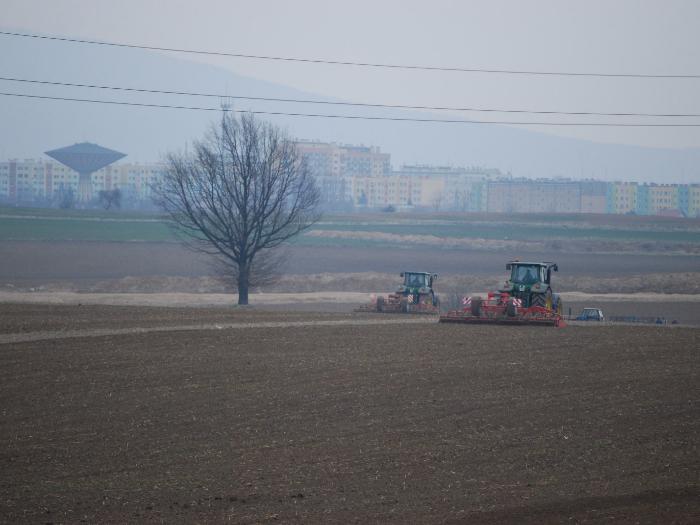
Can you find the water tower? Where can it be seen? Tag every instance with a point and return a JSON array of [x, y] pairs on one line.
[[85, 158]]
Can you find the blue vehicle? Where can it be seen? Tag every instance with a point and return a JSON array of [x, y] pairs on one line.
[[591, 314]]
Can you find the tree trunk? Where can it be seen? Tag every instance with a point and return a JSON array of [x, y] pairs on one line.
[[243, 283]]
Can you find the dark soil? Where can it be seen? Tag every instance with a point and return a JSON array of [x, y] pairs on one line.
[[394, 423], [22, 318]]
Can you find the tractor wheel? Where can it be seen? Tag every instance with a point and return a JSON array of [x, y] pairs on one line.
[[380, 303], [404, 305], [436, 301], [476, 306], [511, 308], [538, 299]]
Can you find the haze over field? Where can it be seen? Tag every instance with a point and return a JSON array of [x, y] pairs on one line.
[[620, 38], [262, 330]]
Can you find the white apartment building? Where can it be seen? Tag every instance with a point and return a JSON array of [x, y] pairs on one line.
[[37, 180]]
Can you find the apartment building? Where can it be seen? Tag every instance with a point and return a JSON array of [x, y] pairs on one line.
[[360, 177], [661, 199], [460, 189], [693, 200], [336, 166], [593, 196], [328, 159], [533, 196], [35, 180], [621, 198]]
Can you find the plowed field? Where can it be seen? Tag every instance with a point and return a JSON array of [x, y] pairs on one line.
[[175, 415]]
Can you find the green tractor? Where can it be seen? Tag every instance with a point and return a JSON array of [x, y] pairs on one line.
[[415, 295], [417, 289], [530, 282], [526, 298]]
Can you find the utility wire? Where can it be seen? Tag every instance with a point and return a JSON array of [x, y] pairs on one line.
[[353, 104], [354, 117], [350, 63]]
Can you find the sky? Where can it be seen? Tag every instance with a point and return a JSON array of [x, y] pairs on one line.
[[628, 37]]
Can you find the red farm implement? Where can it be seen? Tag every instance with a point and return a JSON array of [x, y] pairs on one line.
[[526, 298], [396, 303], [502, 308]]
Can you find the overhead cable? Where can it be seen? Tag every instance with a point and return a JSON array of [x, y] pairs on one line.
[[357, 117], [352, 104], [353, 63]]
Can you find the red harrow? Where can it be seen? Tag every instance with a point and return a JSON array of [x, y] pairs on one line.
[[396, 303], [502, 308]]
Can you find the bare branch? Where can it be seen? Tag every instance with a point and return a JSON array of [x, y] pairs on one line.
[[243, 192]]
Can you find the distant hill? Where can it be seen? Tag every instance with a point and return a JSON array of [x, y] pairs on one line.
[[36, 126]]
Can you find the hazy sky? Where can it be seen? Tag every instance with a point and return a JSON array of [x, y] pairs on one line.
[[653, 37]]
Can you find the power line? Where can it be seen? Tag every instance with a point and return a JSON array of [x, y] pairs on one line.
[[355, 117], [353, 104], [351, 63]]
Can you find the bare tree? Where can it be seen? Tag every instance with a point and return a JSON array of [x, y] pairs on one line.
[[266, 269], [242, 193]]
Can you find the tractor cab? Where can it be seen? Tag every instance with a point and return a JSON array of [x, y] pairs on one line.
[[530, 273], [530, 282], [418, 287], [417, 279]]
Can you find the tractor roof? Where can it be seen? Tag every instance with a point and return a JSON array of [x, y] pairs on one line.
[[429, 274], [546, 264], [526, 263]]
